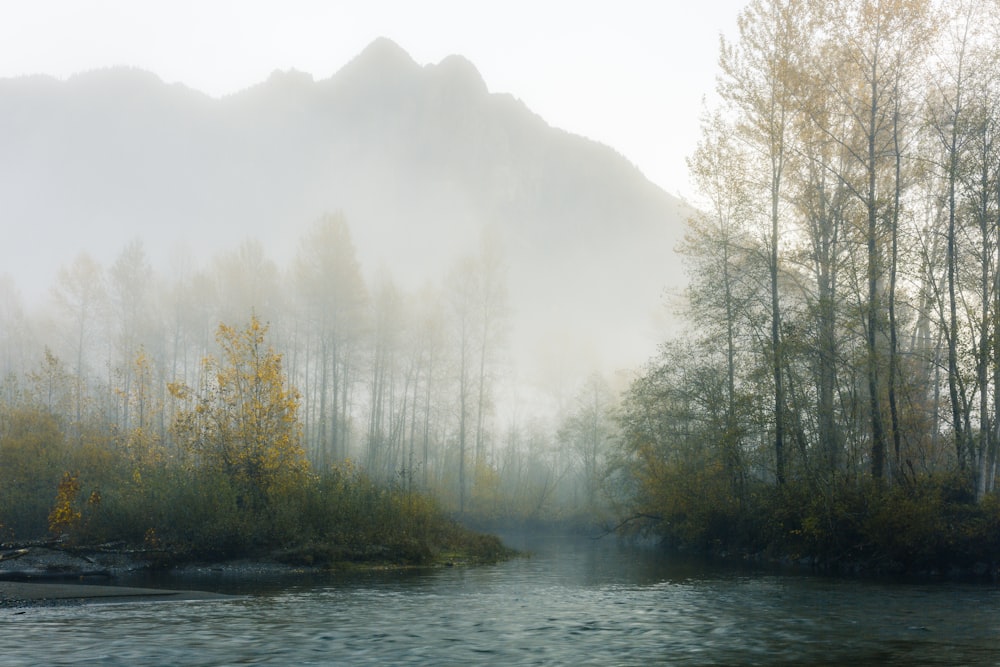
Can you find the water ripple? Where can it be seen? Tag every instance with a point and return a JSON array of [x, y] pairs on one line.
[[580, 604]]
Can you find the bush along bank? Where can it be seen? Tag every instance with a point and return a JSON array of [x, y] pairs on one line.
[[933, 526], [170, 517]]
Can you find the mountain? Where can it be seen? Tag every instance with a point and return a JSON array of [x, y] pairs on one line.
[[421, 160]]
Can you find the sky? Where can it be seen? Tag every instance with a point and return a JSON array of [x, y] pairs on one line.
[[632, 74]]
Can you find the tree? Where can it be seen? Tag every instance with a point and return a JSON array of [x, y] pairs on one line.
[[333, 300], [15, 335], [130, 296], [247, 280], [856, 97], [758, 82], [725, 281], [478, 300], [677, 469], [243, 421], [142, 410], [962, 119], [587, 433], [81, 295], [388, 403], [462, 297], [492, 312], [820, 202], [428, 350]]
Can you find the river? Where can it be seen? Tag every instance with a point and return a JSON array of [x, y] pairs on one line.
[[572, 602]]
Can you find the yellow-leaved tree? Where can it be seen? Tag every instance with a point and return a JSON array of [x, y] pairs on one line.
[[242, 421]]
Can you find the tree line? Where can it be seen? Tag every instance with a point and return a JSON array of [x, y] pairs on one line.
[[137, 371], [844, 277]]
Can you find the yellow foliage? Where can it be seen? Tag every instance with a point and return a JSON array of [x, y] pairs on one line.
[[65, 516], [141, 441], [151, 539], [244, 423], [179, 390]]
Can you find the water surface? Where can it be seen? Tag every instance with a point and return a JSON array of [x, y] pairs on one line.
[[573, 602]]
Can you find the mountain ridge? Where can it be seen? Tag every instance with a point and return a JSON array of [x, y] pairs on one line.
[[421, 160]]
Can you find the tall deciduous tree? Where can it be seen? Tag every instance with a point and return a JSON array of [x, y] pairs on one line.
[[81, 296], [333, 299], [725, 281], [820, 201], [876, 46], [130, 292], [478, 299], [462, 301], [758, 82], [492, 320], [387, 402], [14, 329]]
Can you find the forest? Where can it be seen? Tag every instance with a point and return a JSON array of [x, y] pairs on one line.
[[833, 398], [839, 395], [240, 405]]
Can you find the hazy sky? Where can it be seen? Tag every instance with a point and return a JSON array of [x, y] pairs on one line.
[[629, 73]]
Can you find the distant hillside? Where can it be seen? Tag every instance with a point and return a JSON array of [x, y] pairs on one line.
[[420, 159]]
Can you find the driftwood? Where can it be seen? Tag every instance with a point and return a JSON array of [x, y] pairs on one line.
[[11, 555]]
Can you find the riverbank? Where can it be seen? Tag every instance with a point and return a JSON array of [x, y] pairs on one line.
[[931, 527], [52, 572], [876, 567], [43, 574]]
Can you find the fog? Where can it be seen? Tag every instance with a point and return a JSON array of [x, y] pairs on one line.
[[421, 161], [140, 215]]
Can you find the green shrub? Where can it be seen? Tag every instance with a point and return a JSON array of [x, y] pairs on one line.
[[932, 524]]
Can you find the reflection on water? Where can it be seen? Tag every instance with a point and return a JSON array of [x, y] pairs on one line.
[[573, 602]]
